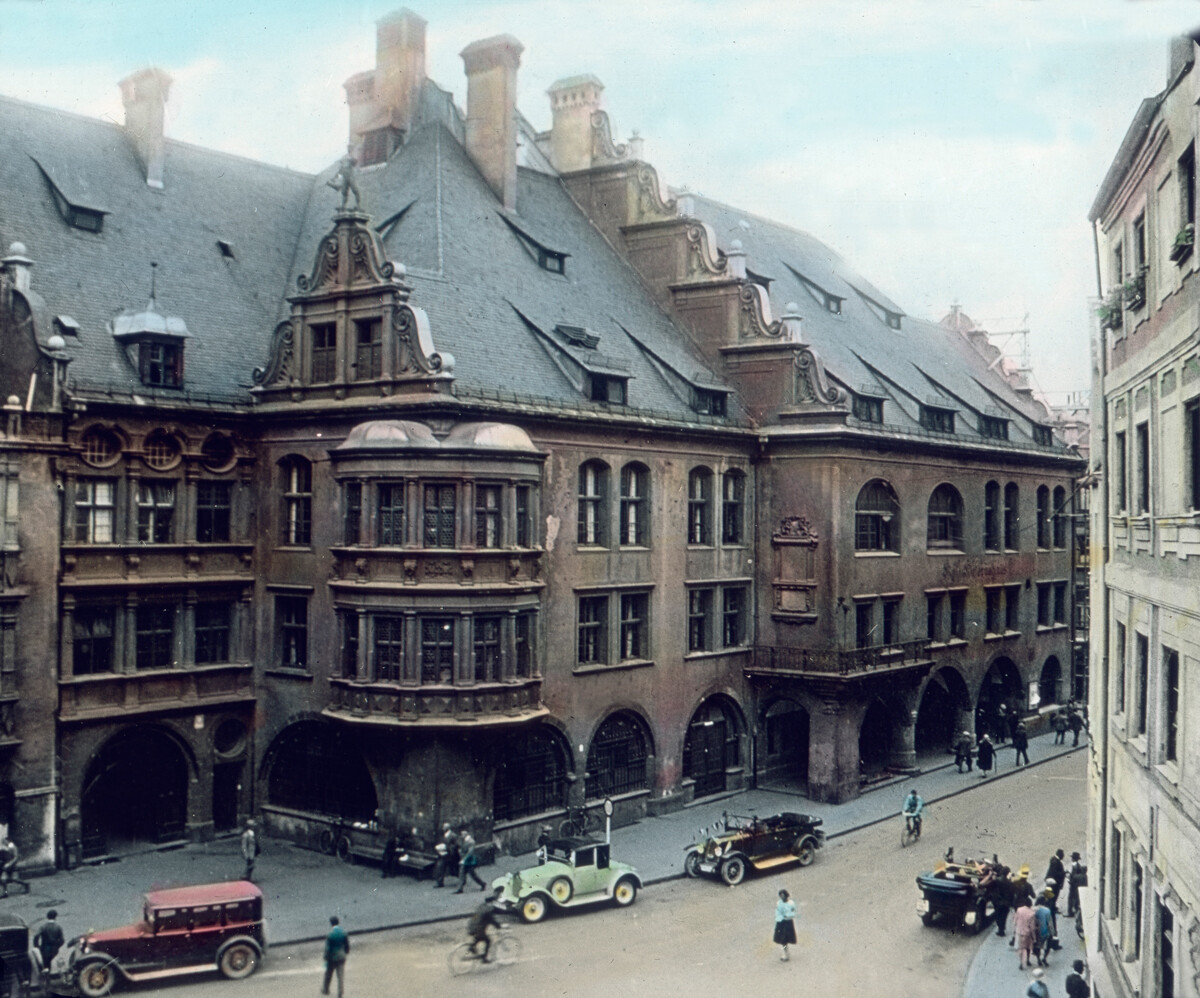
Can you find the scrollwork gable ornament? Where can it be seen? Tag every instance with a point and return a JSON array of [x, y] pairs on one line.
[[415, 353], [704, 259], [810, 386], [279, 364], [604, 149], [754, 317], [652, 207]]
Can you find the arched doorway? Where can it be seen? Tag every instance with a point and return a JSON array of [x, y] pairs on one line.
[[712, 745], [784, 749], [938, 717], [135, 791], [1001, 685], [314, 768], [875, 740], [1050, 682]]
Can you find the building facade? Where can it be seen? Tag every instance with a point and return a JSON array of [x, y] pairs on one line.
[[476, 479], [1144, 826]]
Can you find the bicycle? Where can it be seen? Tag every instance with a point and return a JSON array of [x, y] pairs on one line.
[[912, 829], [578, 822], [465, 959]]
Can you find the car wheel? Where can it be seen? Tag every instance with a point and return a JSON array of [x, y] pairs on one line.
[[533, 908], [238, 961], [343, 849], [733, 870], [328, 841], [805, 850], [625, 893], [691, 864], [561, 889], [96, 978]]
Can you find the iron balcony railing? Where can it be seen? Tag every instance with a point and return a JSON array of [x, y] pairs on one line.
[[782, 660]]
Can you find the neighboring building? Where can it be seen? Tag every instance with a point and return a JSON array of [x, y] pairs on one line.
[[502, 483], [1144, 827]]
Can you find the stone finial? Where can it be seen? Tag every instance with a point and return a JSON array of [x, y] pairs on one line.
[[791, 323], [18, 266], [737, 260]]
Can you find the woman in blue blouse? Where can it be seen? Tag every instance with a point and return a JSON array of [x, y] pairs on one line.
[[785, 927]]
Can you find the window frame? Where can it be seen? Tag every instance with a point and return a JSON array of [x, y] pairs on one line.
[[877, 527], [155, 501], [591, 629], [291, 632], [368, 349], [214, 511], [212, 632], [634, 623], [634, 506], [155, 627], [944, 524], [592, 505], [700, 619], [323, 352], [439, 520], [699, 526], [1012, 517], [733, 506], [489, 518], [95, 518], [297, 501]]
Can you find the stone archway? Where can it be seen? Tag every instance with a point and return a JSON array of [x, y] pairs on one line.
[[135, 791], [875, 739], [783, 744], [939, 716], [1001, 685], [312, 767], [712, 745], [1050, 682]]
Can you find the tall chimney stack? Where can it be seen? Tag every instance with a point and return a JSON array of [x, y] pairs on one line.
[[385, 100], [144, 95], [491, 127], [573, 101]]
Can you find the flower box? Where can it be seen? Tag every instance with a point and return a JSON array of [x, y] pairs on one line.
[[1184, 242]]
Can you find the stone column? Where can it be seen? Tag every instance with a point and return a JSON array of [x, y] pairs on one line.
[[833, 758]]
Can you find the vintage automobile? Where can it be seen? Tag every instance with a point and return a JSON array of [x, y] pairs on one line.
[[184, 930], [575, 872], [16, 958], [742, 842], [952, 891]]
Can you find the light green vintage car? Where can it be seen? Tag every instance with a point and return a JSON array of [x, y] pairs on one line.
[[574, 872]]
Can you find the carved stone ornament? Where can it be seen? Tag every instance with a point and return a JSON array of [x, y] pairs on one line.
[[415, 353], [754, 310], [796, 528], [279, 364], [810, 385], [651, 206], [325, 266], [604, 150], [351, 254], [704, 259]]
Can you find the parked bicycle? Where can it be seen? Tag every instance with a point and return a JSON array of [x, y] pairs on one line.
[[504, 951], [578, 823]]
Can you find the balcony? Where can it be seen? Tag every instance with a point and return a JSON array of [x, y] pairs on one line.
[[438, 568], [852, 664], [121, 694], [434, 705]]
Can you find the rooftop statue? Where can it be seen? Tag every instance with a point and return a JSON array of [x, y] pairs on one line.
[[343, 181]]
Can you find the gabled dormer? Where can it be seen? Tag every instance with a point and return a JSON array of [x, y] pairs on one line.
[[153, 342]]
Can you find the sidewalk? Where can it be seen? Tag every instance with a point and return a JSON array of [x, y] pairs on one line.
[[994, 972], [304, 888]]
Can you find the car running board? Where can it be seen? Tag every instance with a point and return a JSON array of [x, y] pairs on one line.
[[154, 975], [766, 864]]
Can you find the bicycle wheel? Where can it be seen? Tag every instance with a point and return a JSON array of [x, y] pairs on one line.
[[506, 950], [569, 829], [462, 960]]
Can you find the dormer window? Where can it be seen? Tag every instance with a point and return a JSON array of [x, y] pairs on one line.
[[154, 344], [378, 146], [711, 402], [160, 364], [993, 427], [606, 388], [937, 419], [892, 319], [85, 218], [551, 260], [1043, 435], [74, 202], [867, 409]]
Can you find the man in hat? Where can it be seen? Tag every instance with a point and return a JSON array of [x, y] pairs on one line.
[[963, 750], [1076, 986], [1037, 987], [1076, 878], [447, 856]]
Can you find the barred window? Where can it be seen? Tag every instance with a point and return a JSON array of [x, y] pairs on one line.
[[531, 776], [617, 758]]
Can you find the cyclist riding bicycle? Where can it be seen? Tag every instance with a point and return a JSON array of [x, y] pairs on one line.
[[913, 806], [477, 925]]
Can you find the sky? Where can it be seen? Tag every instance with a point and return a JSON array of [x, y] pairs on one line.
[[948, 149]]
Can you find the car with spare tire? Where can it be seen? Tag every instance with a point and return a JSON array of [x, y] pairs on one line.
[[572, 873], [737, 843]]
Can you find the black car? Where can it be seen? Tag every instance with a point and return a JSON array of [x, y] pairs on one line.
[[954, 893], [15, 958], [742, 842]]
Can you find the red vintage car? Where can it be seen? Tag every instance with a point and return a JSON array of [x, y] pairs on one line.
[[185, 930]]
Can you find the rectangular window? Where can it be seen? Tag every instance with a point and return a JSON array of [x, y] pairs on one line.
[[891, 622], [352, 517], [524, 626], [155, 636], [593, 630], [700, 604], [1170, 680], [1044, 604], [938, 420], [297, 503], [733, 491], [605, 389], [1142, 459], [1166, 952], [1137, 890], [487, 649], [368, 349], [1012, 608], [1060, 602], [635, 610], [437, 650], [156, 511], [864, 624], [958, 616], [524, 514], [389, 648], [593, 490], [390, 514], [10, 517], [867, 409], [324, 352], [1191, 420], [1187, 187], [1119, 669], [214, 504], [733, 617], [933, 617], [161, 364], [1120, 495], [1043, 435], [439, 516], [94, 510], [699, 499], [1142, 680], [994, 598], [212, 632], [1112, 900], [349, 645], [92, 630], [291, 615], [487, 516], [993, 427]]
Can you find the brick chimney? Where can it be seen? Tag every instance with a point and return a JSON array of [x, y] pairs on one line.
[[491, 127], [144, 95], [573, 101], [385, 100]]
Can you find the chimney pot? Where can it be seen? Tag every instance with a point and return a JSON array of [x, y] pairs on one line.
[[144, 95], [573, 101], [491, 126]]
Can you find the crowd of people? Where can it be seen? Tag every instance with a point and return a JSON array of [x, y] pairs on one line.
[[1005, 726]]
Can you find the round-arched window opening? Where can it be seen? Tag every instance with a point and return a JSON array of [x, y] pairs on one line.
[[101, 447], [161, 450], [230, 737], [217, 452]]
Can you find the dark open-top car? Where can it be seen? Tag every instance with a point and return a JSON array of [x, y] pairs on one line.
[[955, 893], [742, 842], [185, 930], [16, 961]]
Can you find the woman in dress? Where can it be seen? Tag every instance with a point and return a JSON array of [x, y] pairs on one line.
[[785, 925]]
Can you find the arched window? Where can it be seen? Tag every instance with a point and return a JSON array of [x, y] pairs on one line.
[[635, 509], [945, 519], [1050, 681], [593, 504], [314, 768], [531, 776], [1012, 517], [616, 761], [1060, 517], [991, 516], [733, 498], [1043, 517], [700, 506], [297, 501], [876, 518]]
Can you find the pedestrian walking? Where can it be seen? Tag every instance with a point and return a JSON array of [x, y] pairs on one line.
[[466, 866], [1076, 877], [337, 948], [447, 856], [1025, 932], [1014, 720], [999, 892], [1020, 742], [1045, 932], [785, 923], [48, 940], [1056, 872], [1076, 724], [1076, 986], [1001, 726], [1059, 723], [250, 848], [1037, 987], [986, 755], [963, 751]]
